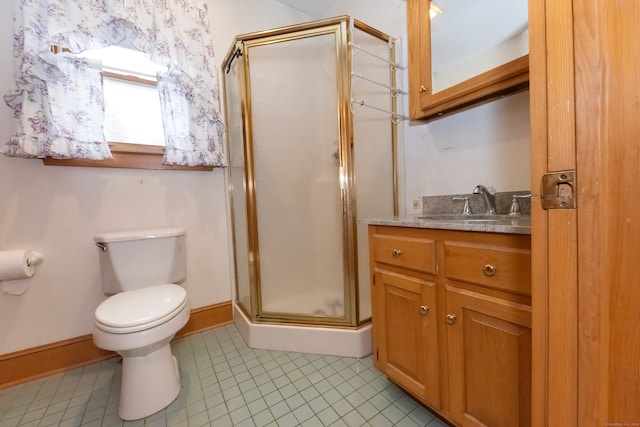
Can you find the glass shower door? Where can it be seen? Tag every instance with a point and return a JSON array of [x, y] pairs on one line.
[[237, 182], [296, 155]]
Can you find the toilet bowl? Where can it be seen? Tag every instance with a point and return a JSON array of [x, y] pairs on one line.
[[139, 326], [139, 320]]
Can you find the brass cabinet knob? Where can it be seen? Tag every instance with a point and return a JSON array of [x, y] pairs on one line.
[[450, 318], [423, 88], [396, 252], [489, 270], [424, 309]]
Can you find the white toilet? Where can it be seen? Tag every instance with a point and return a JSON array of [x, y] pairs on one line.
[[140, 268]]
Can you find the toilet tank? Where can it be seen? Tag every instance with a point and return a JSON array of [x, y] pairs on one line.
[[141, 258]]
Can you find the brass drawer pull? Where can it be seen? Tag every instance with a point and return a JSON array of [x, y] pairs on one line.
[[396, 253], [424, 309], [489, 270], [450, 318]]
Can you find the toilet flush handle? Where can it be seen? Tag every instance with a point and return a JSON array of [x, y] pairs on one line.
[[102, 246]]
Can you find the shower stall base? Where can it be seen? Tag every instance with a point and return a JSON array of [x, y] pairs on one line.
[[304, 339]]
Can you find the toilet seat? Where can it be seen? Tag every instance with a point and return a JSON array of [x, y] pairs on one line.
[[140, 309]]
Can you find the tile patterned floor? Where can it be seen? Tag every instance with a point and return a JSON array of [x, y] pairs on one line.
[[225, 383]]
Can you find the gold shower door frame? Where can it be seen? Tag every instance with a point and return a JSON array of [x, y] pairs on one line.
[[339, 27]]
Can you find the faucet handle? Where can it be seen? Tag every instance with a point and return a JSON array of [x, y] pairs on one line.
[[515, 206], [466, 209]]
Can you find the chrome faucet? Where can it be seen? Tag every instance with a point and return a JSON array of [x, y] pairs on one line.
[[489, 198]]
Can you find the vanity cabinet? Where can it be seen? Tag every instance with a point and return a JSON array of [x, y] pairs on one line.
[[452, 321], [426, 99]]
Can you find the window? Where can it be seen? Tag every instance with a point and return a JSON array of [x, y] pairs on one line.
[[131, 105], [133, 120]]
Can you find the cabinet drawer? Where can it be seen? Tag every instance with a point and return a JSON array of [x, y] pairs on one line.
[[497, 267], [407, 252]]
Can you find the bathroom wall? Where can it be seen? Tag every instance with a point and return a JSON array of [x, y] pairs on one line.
[[58, 210], [489, 144]]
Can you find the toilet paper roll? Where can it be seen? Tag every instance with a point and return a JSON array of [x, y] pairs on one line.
[[18, 264]]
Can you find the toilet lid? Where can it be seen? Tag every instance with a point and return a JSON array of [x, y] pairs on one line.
[[141, 306]]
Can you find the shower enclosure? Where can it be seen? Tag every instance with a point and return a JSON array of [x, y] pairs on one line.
[[311, 124]]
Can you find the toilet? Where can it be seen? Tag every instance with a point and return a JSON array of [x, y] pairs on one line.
[[140, 270]]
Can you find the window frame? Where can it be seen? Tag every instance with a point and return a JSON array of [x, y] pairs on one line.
[[128, 156]]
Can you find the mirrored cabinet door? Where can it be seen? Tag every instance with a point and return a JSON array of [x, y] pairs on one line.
[[465, 52]]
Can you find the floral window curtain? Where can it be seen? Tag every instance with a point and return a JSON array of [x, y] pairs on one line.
[[57, 99]]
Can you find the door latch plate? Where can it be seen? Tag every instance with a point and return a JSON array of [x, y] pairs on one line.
[[557, 190]]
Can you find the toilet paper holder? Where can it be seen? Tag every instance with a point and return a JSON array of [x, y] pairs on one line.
[[35, 258], [16, 265]]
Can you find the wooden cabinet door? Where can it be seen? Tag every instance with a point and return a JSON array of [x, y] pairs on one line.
[[405, 324], [489, 360]]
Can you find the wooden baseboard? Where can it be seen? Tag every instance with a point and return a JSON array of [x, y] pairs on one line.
[[208, 317], [32, 363]]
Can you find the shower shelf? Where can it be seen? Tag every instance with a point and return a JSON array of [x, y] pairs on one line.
[[394, 90], [395, 117], [394, 67]]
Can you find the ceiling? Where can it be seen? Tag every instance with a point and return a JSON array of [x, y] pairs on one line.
[[314, 8]]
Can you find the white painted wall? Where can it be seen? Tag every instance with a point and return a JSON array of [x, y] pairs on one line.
[[489, 144], [58, 210]]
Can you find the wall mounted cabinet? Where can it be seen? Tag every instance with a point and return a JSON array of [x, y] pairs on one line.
[[426, 99]]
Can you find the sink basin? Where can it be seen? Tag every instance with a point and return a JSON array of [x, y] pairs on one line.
[[467, 218], [442, 216], [484, 220]]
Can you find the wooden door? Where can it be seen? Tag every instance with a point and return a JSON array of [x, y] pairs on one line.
[[554, 232], [607, 45], [489, 360], [406, 333], [585, 99]]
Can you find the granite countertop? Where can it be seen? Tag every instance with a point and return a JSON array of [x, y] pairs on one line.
[[498, 224]]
